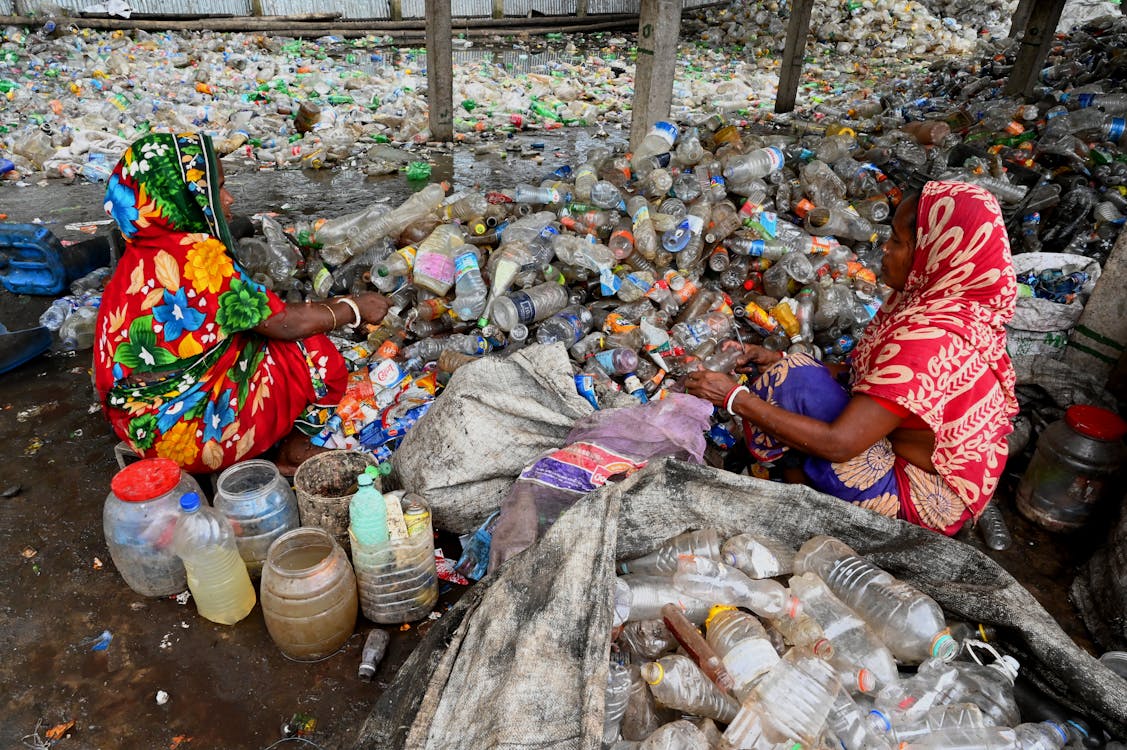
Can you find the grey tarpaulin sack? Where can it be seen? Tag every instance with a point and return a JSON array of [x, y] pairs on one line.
[[1100, 590], [521, 660], [494, 418]]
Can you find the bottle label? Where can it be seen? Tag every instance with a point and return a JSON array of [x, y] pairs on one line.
[[526, 311], [481, 346], [465, 263], [1085, 100], [437, 266], [695, 224], [606, 360], [1115, 130], [641, 216], [609, 284], [757, 248], [775, 154], [667, 131]]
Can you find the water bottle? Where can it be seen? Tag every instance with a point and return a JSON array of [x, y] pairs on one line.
[[568, 325], [742, 644], [617, 695], [689, 149], [906, 620], [427, 350], [469, 300], [659, 140], [581, 253], [698, 218], [645, 238], [714, 582], [387, 273], [676, 735], [353, 234], [1046, 735], [538, 195], [759, 163], [587, 174], [791, 703], [757, 557], [663, 560], [641, 718], [434, 261], [991, 688], [529, 305], [678, 683], [853, 726], [616, 362], [55, 315], [217, 575], [367, 513], [646, 640], [935, 719], [77, 331], [690, 334], [857, 649], [467, 207], [646, 594], [993, 527], [605, 194]]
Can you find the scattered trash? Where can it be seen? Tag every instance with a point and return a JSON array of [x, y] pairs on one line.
[[33, 446], [29, 552], [59, 731], [100, 642], [183, 597], [36, 411], [299, 725], [375, 646], [11, 490], [161, 697], [97, 565]]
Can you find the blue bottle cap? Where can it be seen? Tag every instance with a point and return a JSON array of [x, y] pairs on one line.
[[190, 501]]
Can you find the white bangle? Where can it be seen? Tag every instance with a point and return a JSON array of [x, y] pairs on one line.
[[355, 309], [732, 397]]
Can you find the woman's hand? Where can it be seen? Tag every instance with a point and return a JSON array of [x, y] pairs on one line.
[[756, 356], [373, 306], [709, 385]]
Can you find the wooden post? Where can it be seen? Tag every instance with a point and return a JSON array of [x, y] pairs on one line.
[[581, 8], [794, 53], [256, 8], [1100, 336], [1039, 30], [1021, 16], [395, 10], [440, 70], [659, 27], [498, 9]]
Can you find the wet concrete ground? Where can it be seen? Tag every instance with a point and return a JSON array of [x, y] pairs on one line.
[[229, 687]]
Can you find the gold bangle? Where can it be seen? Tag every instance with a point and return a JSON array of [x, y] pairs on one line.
[[330, 309]]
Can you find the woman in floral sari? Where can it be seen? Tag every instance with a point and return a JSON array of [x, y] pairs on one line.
[[922, 437], [193, 360]]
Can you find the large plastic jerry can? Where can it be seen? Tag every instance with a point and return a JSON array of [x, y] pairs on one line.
[[33, 261], [17, 347]]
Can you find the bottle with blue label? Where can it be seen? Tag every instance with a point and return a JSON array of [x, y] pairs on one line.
[[470, 289], [659, 140], [568, 326]]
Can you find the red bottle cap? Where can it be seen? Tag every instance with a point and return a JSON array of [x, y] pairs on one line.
[[146, 479], [1094, 422]]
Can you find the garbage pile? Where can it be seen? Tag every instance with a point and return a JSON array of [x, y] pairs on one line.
[[843, 655]]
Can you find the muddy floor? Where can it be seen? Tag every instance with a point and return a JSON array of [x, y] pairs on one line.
[[229, 687]]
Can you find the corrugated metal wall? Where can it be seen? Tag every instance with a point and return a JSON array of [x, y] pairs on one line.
[[366, 9], [6, 7]]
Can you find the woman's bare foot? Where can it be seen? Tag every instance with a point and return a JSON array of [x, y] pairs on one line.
[[294, 451]]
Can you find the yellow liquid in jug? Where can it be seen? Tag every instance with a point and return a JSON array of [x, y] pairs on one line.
[[221, 586]]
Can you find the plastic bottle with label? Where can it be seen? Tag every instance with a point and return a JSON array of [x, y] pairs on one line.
[[678, 683], [217, 575], [759, 163], [645, 238], [528, 306], [709, 580], [434, 260], [743, 646], [659, 140], [367, 513], [567, 326], [906, 620], [757, 557], [470, 289], [713, 326], [387, 273]]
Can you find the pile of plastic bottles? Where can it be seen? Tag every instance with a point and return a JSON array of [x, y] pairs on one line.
[[844, 656], [72, 317]]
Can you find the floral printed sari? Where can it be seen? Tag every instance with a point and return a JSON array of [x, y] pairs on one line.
[[177, 364]]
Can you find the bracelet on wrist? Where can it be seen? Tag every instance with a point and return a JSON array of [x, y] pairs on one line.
[[730, 399], [330, 309], [355, 310]]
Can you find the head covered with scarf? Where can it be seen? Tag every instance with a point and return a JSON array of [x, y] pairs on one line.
[[938, 348]]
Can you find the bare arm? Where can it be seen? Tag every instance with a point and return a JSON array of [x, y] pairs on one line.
[[301, 320]]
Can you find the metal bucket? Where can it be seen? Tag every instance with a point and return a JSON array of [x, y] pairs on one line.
[[324, 485]]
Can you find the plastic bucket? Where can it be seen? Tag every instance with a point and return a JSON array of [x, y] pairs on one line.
[[324, 485]]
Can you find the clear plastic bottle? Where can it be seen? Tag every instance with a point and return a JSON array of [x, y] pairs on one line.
[[434, 261], [678, 683], [908, 621], [1046, 735], [690, 334], [605, 194], [663, 560], [839, 222], [55, 315], [351, 235], [645, 238], [689, 149], [741, 168], [387, 273], [616, 362], [757, 557], [676, 735], [791, 702], [529, 305], [568, 325], [742, 643], [693, 226], [856, 647], [427, 350], [659, 140], [541, 196], [647, 594], [617, 695], [993, 527], [854, 727], [77, 331], [642, 716], [217, 575], [716, 583], [581, 253], [367, 513], [468, 206], [471, 292], [588, 174], [936, 719], [991, 688]]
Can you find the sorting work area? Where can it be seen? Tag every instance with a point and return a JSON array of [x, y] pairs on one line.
[[625, 273]]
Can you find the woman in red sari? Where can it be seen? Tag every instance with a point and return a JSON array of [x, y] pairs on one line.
[[193, 360], [922, 435]]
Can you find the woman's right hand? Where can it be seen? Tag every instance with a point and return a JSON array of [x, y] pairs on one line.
[[755, 356], [373, 306]]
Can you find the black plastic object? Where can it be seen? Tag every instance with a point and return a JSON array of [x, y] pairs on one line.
[[17, 347]]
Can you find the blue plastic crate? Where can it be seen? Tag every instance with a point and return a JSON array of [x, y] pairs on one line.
[[33, 261]]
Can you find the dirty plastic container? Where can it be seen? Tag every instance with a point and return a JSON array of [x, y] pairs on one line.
[[324, 485], [139, 518], [397, 579], [34, 261], [308, 594], [1073, 468], [260, 506]]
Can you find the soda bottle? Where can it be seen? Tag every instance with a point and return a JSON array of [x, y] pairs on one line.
[[906, 620], [757, 557], [708, 580], [678, 683], [663, 560], [856, 648], [217, 575]]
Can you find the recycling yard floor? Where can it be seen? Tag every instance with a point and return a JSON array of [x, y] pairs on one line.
[[229, 687]]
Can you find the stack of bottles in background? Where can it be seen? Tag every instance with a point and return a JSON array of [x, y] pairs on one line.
[[72, 317], [839, 654]]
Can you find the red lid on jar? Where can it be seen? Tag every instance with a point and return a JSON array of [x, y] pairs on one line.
[[146, 479], [1094, 422]]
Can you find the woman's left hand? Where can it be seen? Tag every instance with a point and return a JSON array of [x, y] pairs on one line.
[[709, 385], [373, 306]]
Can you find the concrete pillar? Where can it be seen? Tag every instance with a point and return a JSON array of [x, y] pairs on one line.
[[1100, 337], [581, 8], [790, 73], [440, 70], [1039, 29], [659, 27]]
